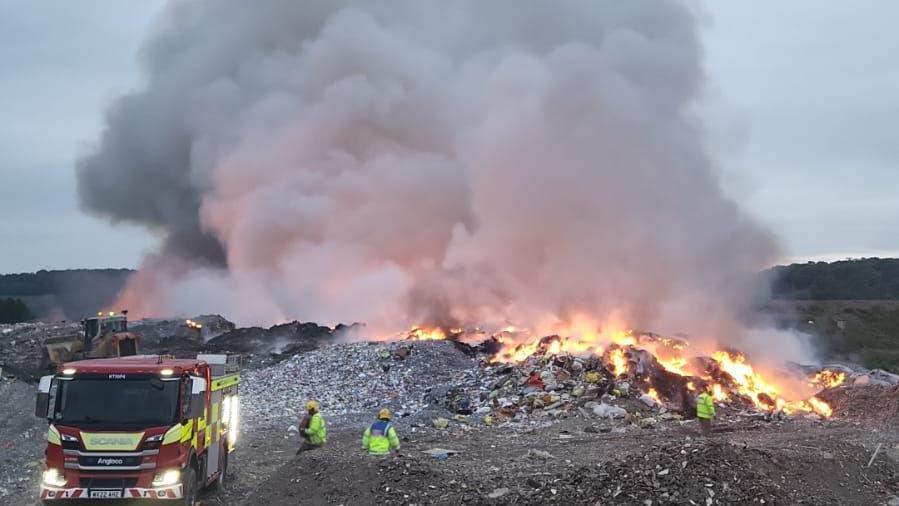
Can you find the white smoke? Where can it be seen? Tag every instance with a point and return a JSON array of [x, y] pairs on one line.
[[405, 162]]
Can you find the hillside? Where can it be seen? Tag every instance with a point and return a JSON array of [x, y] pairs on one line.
[[64, 294], [862, 279], [851, 306]]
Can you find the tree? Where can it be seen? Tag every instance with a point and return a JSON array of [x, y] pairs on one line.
[[14, 311]]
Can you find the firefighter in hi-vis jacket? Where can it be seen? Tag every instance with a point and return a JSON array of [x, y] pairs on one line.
[[312, 428], [381, 436]]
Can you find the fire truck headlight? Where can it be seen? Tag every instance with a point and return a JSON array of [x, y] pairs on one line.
[[233, 421], [54, 478], [170, 477]]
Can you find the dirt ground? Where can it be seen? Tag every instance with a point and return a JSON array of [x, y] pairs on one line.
[[792, 462]]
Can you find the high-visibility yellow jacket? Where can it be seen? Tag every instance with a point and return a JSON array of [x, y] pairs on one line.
[[316, 431], [380, 438], [705, 406]]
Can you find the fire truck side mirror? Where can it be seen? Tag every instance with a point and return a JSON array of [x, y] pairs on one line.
[[42, 405], [197, 397]]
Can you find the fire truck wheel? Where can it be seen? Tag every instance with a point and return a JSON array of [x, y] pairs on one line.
[[190, 486], [222, 480]]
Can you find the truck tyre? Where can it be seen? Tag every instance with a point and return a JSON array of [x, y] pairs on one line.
[[222, 481], [189, 486]]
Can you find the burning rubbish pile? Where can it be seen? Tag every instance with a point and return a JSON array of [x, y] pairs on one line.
[[199, 328], [553, 374]]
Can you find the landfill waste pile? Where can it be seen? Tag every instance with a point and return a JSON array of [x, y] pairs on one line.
[[22, 352], [262, 347], [441, 381], [23, 346], [199, 328], [354, 380]]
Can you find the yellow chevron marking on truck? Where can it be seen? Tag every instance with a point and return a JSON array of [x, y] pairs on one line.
[[173, 435], [53, 436], [187, 431], [225, 381]]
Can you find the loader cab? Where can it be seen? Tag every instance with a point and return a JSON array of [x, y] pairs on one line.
[[99, 325], [107, 335]]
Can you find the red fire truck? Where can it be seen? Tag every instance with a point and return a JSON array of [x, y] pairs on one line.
[[139, 427]]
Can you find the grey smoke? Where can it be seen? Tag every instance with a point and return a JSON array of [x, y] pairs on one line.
[[454, 163]]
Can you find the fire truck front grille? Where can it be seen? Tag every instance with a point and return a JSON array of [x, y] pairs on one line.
[[101, 461], [108, 482]]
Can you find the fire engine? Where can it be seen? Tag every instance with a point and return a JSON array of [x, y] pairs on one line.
[[139, 427]]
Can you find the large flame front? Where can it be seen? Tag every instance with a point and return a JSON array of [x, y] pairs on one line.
[[729, 374]]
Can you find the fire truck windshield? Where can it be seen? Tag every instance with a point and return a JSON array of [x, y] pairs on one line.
[[101, 402]]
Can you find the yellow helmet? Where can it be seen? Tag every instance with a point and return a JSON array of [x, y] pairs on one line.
[[312, 406], [384, 414]]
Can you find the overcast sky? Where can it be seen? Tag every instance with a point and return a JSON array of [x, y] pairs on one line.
[[803, 110]]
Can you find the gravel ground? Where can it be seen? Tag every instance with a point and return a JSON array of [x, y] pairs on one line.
[[22, 438]]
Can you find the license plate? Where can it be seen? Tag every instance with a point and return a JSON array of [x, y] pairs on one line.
[[106, 494]]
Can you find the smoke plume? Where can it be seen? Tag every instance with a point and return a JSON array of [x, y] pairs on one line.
[[446, 162]]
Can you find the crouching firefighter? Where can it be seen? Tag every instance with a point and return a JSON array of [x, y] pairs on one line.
[[381, 437], [312, 428]]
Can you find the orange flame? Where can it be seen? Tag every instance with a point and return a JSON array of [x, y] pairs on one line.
[[828, 379], [618, 364], [820, 407], [748, 382], [425, 334], [718, 393]]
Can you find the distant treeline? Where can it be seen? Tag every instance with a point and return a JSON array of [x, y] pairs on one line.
[[862, 279], [65, 294], [14, 311], [73, 294]]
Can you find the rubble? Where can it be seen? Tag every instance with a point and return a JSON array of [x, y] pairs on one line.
[[497, 493], [354, 380], [871, 405], [876, 377], [709, 472], [22, 352], [155, 329]]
